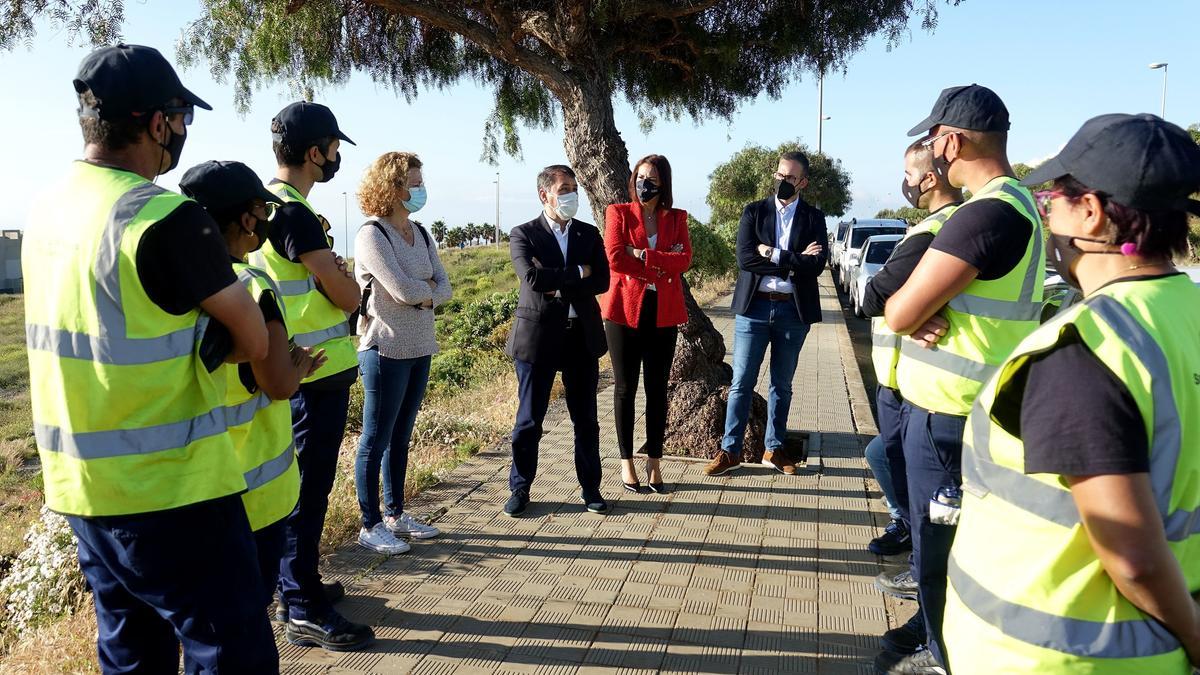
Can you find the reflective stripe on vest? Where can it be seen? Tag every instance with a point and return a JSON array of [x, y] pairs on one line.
[[126, 417], [885, 344], [271, 469]]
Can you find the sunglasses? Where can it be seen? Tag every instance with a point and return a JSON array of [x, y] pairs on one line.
[[188, 112], [268, 209], [1042, 198]]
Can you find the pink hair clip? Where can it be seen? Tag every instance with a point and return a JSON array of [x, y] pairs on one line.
[[1129, 248]]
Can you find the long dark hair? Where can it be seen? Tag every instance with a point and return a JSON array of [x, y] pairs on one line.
[[666, 198]]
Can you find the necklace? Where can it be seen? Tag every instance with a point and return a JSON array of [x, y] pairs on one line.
[[1148, 264]]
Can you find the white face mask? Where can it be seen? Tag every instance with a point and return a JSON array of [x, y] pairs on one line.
[[568, 205]]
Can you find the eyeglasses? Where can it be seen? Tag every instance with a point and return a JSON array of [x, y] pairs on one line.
[[1042, 199], [187, 111], [928, 142], [789, 178], [268, 209]]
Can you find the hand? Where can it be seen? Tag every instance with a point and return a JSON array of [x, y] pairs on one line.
[[318, 360], [432, 284], [813, 249], [428, 304], [537, 263], [635, 252], [928, 334], [677, 248], [587, 271], [765, 251], [342, 266]]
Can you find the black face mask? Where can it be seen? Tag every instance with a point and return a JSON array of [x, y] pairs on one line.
[[173, 147], [647, 189], [1064, 253], [330, 168], [941, 166], [262, 229], [912, 192], [784, 190]]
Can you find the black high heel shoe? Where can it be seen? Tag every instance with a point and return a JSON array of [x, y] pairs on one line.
[[632, 487], [658, 488]]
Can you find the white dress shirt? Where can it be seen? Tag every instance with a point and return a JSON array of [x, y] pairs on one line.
[[784, 215], [561, 234], [653, 245]]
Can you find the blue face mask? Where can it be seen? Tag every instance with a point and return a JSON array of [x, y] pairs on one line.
[[416, 199]]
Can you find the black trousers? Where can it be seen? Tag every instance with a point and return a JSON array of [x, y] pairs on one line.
[[580, 375], [650, 349]]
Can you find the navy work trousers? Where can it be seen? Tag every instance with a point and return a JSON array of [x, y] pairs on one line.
[[188, 575]]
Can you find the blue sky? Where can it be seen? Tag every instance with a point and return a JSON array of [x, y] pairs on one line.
[[1055, 64]]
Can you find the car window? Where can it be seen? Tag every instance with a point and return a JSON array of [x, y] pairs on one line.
[[841, 232], [879, 251], [861, 234]]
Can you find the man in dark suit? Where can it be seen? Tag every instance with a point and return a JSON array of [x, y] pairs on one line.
[[781, 252], [562, 268]]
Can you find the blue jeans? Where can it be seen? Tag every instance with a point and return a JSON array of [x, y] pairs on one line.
[[878, 461], [394, 391], [188, 575], [933, 455], [319, 423], [765, 322]]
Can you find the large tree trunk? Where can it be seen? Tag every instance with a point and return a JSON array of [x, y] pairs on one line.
[[700, 378]]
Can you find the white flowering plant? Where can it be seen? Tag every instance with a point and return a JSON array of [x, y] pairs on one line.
[[44, 582]]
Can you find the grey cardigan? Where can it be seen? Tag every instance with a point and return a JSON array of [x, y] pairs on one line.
[[393, 323]]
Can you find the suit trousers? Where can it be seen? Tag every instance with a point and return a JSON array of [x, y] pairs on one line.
[[580, 376]]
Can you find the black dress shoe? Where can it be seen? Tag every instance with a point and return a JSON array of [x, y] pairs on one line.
[[658, 488], [907, 638], [333, 591], [594, 503], [632, 487], [331, 632], [516, 504]]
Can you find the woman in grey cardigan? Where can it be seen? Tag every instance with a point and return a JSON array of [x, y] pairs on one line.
[[397, 263]]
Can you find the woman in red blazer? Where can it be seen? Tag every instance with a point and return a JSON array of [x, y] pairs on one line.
[[648, 248]]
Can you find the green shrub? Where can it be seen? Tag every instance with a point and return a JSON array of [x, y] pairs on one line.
[[728, 232], [712, 256], [451, 369], [473, 326]]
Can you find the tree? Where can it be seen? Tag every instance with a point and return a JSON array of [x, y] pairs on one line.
[[455, 237], [439, 231], [907, 213], [701, 58], [748, 176]]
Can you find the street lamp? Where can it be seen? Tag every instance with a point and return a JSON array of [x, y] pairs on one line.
[[1156, 66], [820, 106], [497, 182]]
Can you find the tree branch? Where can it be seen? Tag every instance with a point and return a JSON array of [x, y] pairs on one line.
[[502, 47], [673, 10]]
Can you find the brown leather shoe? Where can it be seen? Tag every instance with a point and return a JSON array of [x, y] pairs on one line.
[[780, 461], [723, 463]]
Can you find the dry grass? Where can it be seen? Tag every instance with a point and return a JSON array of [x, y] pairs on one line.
[[708, 291], [66, 646]]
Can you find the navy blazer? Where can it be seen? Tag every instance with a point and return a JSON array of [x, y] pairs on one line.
[[758, 227], [540, 324]]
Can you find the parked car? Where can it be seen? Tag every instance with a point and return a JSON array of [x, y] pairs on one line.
[[836, 242], [1060, 295], [875, 252], [856, 234]]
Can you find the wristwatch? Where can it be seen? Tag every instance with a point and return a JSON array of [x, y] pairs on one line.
[[642, 255]]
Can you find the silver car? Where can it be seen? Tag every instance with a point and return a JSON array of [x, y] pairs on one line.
[[875, 252]]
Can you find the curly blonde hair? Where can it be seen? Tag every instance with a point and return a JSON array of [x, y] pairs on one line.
[[384, 181]]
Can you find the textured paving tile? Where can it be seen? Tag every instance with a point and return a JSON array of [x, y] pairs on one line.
[[751, 573]]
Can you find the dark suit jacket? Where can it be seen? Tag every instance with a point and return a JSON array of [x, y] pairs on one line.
[[540, 325], [758, 227]]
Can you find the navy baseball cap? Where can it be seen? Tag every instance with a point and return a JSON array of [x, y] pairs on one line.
[[971, 107], [303, 122], [128, 79], [1140, 161], [217, 185]]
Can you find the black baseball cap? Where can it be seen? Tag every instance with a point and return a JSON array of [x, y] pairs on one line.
[[971, 107], [305, 122], [217, 185], [128, 79], [1139, 161]]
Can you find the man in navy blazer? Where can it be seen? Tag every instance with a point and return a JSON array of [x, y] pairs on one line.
[[562, 267], [781, 252]]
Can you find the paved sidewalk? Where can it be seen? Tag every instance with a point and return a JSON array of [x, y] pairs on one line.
[[752, 573]]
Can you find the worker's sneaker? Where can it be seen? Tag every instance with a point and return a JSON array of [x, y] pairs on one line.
[[410, 528], [778, 460], [896, 539], [516, 504], [906, 639], [332, 632], [723, 463], [900, 585], [920, 663], [380, 540]]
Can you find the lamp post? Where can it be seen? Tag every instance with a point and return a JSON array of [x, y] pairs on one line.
[[497, 181], [346, 221], [1156, 66], [820, 107]]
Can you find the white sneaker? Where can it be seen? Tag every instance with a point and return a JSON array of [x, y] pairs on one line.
[[380, 540], [409, 527]]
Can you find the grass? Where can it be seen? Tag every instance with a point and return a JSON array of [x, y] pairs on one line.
[[20, 489], [478, 272]]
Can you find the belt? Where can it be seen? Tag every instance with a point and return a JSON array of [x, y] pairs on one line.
[[773, 297]]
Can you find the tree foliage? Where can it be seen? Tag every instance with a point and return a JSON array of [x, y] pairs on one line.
[[438, 230], [906, 213], [748, 176]]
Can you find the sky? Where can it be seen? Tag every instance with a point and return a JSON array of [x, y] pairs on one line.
[[1055, 64]]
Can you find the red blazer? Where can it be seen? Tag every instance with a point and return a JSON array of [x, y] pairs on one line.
[[628, 276]]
